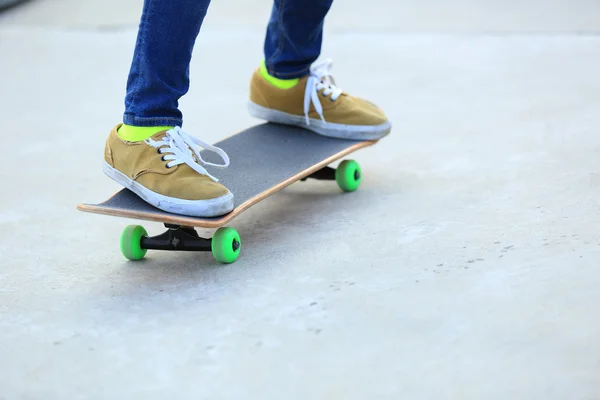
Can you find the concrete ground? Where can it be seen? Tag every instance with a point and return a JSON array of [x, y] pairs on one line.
[[466, 266]]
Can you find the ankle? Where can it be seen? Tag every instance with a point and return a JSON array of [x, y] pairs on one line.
[[277, 82], [132, 133]]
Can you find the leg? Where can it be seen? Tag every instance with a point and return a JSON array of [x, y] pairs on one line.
[[290, 88], [294, 36], [159, 74], [150, 154]]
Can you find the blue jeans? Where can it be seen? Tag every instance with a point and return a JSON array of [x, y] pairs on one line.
[[159, 74]]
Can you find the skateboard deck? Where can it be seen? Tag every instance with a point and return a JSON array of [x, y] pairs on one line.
[[264, 159]]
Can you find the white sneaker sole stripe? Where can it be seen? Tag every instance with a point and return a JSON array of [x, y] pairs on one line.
[[195, 208], [339, 131]]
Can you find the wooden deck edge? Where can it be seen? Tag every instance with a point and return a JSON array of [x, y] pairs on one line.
[[172, 219], [202, 223]]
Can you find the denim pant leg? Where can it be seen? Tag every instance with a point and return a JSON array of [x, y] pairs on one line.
[[159, 74], [294, 36]]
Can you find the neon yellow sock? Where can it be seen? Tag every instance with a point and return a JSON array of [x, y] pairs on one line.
[[139, 133], [278, 83]]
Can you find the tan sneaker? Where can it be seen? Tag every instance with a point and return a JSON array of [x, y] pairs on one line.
[[165, 170], [315, 103]]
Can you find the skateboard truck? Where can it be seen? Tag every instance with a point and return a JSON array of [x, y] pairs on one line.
[[347, 175], [225, 244], [325, 174], [177, 238]]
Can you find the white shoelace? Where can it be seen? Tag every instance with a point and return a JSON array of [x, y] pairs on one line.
[[178, 147], [320, 78]]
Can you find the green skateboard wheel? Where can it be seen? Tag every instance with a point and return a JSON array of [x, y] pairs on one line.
[[131, 242], [226, 245], [348, 175]]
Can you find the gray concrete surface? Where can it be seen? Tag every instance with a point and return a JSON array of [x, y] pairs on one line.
[[466, 267]]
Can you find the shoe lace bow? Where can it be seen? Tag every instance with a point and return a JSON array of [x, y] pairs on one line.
[[320, 79], [178, 148]]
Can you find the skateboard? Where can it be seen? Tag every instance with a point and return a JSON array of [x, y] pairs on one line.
[[264, 159]]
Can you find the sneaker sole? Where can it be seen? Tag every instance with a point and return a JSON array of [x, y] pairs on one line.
[[330, 129], [195, 208]]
